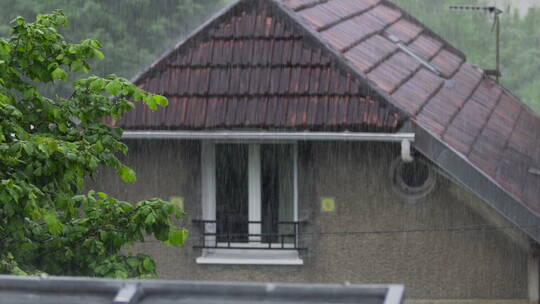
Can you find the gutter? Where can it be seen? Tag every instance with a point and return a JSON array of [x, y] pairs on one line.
[[404, 138], [268, 135]]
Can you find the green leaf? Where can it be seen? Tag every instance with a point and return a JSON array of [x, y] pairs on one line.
[[97, 84], [28, 246], [127, 175], [150, 219], [102, 195], [53, 145], [138, 95], [151, 104], [177, 236], [53, 224], [148, 264], [62, 127], [117, 132], [160, 100], [29, 149], [113, 87], [103, 235], [56, 113], [19, 20], [120, 274], [98, 54], [133, 262], [94, 43], [58, 73]]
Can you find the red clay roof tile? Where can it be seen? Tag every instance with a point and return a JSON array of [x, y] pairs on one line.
[[405, 30]]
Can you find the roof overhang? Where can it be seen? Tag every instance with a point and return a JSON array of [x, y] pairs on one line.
[[16, 289], [270, 135]]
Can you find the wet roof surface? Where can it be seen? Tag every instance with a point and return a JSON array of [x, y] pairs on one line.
[[471, 113], [253, 70]]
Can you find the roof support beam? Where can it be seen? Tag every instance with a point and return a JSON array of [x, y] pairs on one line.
[[270, 135]]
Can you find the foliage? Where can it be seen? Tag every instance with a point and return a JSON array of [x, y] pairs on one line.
[[472, 33], [48, 146]]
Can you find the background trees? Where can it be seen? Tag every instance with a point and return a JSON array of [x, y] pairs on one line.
[[133, 33]]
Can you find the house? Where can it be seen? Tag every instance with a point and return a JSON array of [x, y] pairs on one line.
[[58, 290], [338, 140]]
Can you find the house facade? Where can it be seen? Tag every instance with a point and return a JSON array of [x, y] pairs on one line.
[[338, 141]]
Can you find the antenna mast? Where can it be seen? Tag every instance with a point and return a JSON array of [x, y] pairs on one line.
[[496, 24]]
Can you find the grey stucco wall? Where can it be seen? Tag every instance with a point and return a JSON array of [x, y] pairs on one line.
[[363, 241]]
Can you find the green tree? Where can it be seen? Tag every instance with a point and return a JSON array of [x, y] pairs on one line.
[[48, 146]]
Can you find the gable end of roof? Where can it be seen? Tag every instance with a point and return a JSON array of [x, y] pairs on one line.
[[211, 90]]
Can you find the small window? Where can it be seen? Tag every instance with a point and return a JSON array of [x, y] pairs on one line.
[[412, 180]]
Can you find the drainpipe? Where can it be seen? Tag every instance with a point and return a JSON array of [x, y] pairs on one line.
[[406, 151], [404, 138]]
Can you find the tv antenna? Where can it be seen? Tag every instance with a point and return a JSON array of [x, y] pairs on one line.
[[494, 12]]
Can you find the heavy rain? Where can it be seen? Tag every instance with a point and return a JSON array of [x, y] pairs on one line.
[[310, 148]]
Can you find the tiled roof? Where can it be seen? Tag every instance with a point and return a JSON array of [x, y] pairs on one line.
[[252, 70], [463, 107], [346, 64]]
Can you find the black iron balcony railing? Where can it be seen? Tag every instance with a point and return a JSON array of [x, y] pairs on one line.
[[214, 235]]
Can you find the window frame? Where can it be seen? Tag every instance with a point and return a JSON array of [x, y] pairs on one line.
[[208, 200]]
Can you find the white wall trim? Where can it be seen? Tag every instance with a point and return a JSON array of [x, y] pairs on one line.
[[254, 191], [250, 257], [208, 188]]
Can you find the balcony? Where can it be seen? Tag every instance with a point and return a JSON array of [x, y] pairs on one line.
[[228, 236]]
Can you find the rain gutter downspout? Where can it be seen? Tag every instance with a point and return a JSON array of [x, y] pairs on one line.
[[404, 138]]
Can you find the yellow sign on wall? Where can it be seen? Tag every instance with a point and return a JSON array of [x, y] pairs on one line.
[[328, 204]]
